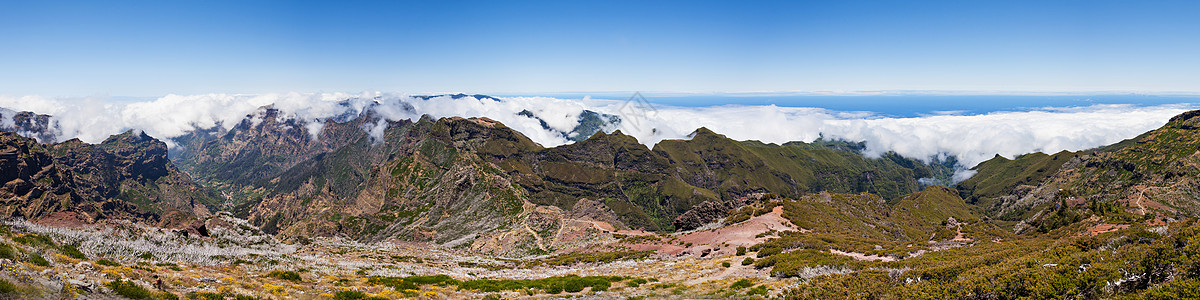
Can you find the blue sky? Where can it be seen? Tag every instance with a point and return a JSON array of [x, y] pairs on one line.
[[152, 48]]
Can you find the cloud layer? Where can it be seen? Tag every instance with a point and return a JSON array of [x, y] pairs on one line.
[[970, 138]]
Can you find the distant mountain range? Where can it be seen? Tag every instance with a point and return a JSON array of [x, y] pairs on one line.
[[478, 184]]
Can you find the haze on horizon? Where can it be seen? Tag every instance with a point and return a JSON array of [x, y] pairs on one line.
[[151, 49]]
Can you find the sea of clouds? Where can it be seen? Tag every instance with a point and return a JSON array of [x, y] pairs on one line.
[[970, 138]]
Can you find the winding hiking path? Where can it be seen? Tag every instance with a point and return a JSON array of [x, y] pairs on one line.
[[1139, 201], [540, 243]]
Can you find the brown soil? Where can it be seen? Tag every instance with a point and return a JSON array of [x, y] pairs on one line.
[[725, 240], [68, 219], [1102, 228]]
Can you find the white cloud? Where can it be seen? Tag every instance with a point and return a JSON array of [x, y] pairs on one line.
[[971, 138]]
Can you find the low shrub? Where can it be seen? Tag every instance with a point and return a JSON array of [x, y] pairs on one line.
[[412, 282], [198, 295], [591, 257], [285, 275], [7, 251], [129, 290], [36, 240], [793, 263], [72, 252], [741, 284], [7, 287], [768, 251], [552, 285], [354, 295], [37, 259], [758, 290], [106, 262]]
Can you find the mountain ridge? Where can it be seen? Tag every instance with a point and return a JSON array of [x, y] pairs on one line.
[[126, 176]]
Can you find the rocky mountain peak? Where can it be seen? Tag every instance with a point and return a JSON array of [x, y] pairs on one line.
[[138, 154], [1186, 120], [28, 124], [705, 134]]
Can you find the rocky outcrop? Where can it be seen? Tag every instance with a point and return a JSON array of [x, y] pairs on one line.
[[29, 125], [126, 177]]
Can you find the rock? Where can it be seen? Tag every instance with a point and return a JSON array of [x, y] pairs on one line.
[[951, 223], [83, 286], [85, 266], [701, 214]]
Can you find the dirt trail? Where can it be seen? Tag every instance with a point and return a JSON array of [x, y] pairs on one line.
[[1102, 228], [747, 233], [540, 243], [960, 237], [860, 256], [599, 225], [1152, 203], [1139, 201]]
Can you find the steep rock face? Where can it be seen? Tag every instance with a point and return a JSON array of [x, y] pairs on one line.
[[33, 184], [422, 182], [127, 176], [28, 124], [614, 168], [262, 146]]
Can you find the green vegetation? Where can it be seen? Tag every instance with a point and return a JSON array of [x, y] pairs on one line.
[[37, 259], [36, 240], [7, 287], [590, 257], [741, 284], [199, 295], [636, 282], [792, 263], [758, 290], [1140, 264], [72, 252], [412, 282], [131, 290], [106, 262], [354, 295], [285, 275], [7, 251], [552, 285], [1063, 215], [999, 176]]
